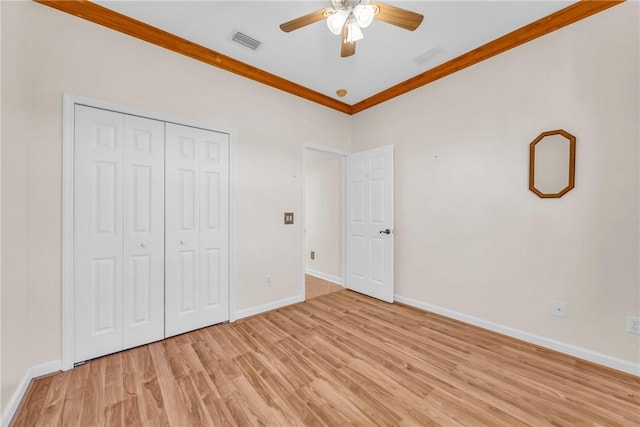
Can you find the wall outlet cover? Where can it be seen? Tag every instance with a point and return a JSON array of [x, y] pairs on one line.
[[559, 308], [633, 325]]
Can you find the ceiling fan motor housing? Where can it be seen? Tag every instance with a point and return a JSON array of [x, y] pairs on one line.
[[347, 4]]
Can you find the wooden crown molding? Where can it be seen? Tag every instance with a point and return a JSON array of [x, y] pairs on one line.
[[539, 28], [116, 21]]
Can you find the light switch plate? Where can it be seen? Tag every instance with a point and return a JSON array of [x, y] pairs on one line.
[[288, 217]]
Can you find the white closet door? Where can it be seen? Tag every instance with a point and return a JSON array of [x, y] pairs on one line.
[[197, 228], [118, 232], [98, 234], [214, 228], [143, 285]]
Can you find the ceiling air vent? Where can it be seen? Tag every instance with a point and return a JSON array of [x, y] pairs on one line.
[[428, 55], [245, 40]]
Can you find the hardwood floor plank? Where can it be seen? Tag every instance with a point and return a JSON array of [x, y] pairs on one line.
[[152, 400], [168, 386], [295, 402], [54, 403], [115, 392], [36, 395], [114, 415], [193, 407], [93, 395], [315, 287], [341, 359], [72, 406], [132, 413], [331, 402]]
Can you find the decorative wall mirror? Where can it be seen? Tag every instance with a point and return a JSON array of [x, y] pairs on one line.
[[552, 164]]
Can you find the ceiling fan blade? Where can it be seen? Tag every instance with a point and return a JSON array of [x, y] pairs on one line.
[[305, 20], [397, 16], [346, 48]]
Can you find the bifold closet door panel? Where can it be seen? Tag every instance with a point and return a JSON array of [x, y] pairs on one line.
[[98, 232], [197, 228], [118, 232], [143, 286], [214, 228]]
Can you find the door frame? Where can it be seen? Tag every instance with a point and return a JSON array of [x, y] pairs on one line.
[[345, 157], [69, 101]]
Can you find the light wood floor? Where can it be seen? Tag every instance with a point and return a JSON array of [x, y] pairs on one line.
[[335, 360], [315, 287]]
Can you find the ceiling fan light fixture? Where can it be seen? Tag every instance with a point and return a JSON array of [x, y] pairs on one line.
[[336, 21], [364, 14], [347, 18], [354, 33]]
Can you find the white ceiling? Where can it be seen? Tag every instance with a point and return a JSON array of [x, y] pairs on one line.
[[310, 56]]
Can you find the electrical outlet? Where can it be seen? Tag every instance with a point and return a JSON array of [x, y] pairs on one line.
[[633, 325], [313, 255], [559, 308], [267, 280]]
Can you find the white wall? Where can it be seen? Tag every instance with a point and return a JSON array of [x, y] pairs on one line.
[[471, 237], [323, 213], [46, 53]]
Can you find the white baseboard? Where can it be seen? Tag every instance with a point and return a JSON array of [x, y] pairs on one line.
[[15, 399], [18, 394], [46, 368], [268, 307], [572, 350], [328, 277]]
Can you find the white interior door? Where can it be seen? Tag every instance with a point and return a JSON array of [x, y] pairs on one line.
[[98, 233], [370, 223], [197, 228], [118, 232], [143, 221]]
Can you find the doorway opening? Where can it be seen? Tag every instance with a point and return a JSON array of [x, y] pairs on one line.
[[324, 244]]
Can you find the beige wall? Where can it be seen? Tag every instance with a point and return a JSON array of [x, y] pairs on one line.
[[46, 53], [471, 237], [323, 213]]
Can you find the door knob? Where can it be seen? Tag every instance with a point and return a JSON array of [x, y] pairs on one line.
[[182, 242], [387, 231], [144, 244]]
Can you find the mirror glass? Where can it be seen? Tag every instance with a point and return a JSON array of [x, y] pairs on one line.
[[552, 164]]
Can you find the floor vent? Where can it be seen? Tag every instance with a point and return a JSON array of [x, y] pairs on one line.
[[245, 40]]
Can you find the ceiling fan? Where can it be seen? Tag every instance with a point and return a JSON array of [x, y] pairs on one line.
[[348, 17]]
